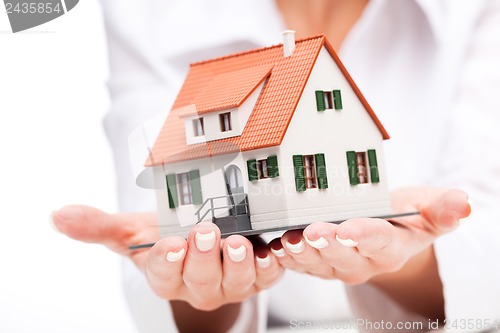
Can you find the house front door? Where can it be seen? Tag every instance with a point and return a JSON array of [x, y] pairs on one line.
[[234, 185]]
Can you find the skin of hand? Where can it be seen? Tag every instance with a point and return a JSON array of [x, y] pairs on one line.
[[397, 257], [205, 271]]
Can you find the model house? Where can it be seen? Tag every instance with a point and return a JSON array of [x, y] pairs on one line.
[[269, 138]]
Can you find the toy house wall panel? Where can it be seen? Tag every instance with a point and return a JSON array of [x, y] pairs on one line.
[[213, 185], [267, 196], [333, 133]]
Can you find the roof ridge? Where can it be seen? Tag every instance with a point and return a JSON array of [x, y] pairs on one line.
[[234, 55]]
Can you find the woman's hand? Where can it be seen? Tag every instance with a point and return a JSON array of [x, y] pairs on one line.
[[363, 248], [193, 271]]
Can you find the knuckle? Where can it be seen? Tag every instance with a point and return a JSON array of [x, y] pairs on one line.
[[202, 283], [238, 285]]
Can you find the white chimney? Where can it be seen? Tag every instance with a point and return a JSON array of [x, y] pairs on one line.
[[288, 42]]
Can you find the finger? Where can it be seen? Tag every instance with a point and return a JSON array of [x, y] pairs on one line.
[[268, 271], [370, 237], [285, 260], [238, 267], [305, 255], [386, 246], [447, 209], [341, 254], [92, 225], [164, 266], [202, 272]]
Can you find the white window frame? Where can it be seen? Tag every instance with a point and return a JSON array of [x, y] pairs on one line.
[[184, 188]]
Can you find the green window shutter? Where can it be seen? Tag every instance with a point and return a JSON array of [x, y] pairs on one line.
[[195, 182], [272, 166], [321, 171], [173, 200], [352, 167], [252, 170], [337, 99], [298, 166], [320, 100], [372, 160]]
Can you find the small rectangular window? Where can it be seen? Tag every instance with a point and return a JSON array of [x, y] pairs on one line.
[[198, 127], [225, 121], [327, 96], [184, 188], [310, 171], [361, 164], [262, 169]]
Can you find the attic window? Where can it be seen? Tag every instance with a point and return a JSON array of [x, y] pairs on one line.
[[225, 122], [328, 100], [198, 127], [327, 96]]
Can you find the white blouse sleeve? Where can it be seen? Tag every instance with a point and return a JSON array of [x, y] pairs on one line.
[[468, 258]]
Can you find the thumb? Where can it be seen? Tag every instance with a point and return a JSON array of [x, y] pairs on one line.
[[446, 210]]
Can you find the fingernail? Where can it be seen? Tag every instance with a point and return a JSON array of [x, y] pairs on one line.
[[295, 248], [263, 262], [278, 253], [319, 243], [471, 205], [205, 242], [237, 255], [176, 256], [52, 224], [346, 242]]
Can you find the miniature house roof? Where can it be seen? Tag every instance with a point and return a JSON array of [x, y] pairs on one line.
[[226, 82]]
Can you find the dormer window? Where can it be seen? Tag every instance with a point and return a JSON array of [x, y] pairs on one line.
[[225, 122], [198, 127]]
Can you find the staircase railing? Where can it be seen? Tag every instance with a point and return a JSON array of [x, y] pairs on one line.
[[243, 202]]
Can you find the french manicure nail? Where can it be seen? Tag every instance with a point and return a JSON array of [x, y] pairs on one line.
[[205, 242], [319, 243], [295, 248], [237, 255], [278, 253], [176, 256], [52, 224], [263, 262], [346, 242]]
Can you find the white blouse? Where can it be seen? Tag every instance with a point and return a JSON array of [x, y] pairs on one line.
[[429, 68]]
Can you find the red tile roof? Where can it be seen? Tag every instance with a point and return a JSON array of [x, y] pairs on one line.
[[229, 90], [229, 81]]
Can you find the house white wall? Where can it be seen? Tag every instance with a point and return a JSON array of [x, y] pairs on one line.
[[180, 219], [332, 132], [267, 197]]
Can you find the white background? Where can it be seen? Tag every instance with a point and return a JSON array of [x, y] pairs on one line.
[[54, 152]]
